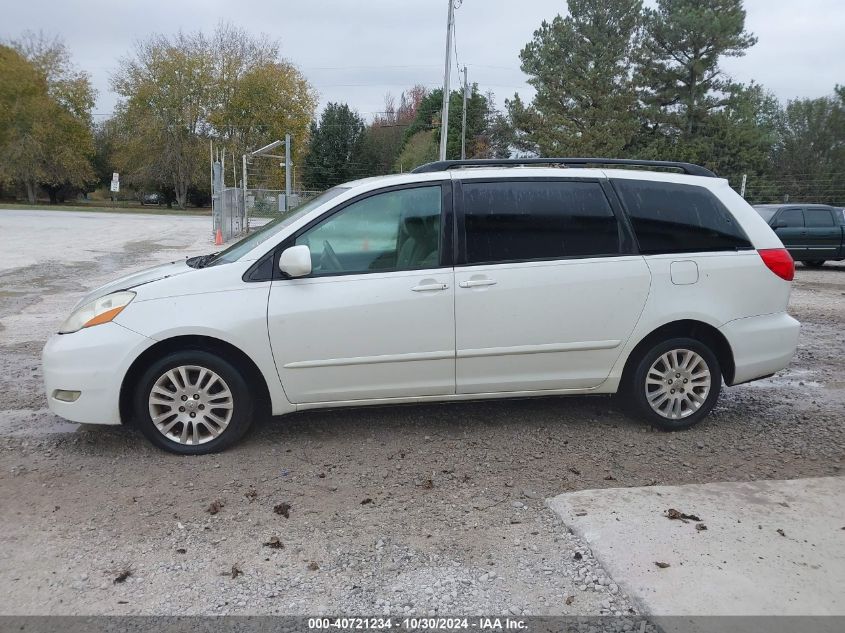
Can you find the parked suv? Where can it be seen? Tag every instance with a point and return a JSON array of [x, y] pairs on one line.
[[463, 280], [812, 233]]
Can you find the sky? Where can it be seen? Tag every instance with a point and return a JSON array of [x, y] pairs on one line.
[[355, 51]]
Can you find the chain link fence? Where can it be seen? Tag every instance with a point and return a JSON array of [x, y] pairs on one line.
[[228, 215], [233, 208]]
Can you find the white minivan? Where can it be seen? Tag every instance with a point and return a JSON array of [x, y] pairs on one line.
[[462, 280]]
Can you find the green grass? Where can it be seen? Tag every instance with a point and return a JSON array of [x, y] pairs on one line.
[[104, 208]]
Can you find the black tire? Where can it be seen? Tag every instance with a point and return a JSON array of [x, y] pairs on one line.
[[814, 263], [635, 386], [241, 401]]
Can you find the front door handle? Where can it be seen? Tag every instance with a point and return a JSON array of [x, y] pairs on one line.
[[475, 283], [429, 287]]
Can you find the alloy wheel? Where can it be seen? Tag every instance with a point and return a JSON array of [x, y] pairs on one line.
[[677, 384], [190, 405]]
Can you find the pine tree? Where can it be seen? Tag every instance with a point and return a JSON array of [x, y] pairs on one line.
[[678, 67], [334, 151], [580, 67], [738, 139]]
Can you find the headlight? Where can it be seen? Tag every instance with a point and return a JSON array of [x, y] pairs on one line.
[[99, 311]]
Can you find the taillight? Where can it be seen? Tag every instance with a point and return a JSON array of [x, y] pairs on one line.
[[779, 261]]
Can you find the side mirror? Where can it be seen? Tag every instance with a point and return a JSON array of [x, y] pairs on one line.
[[296, 261]]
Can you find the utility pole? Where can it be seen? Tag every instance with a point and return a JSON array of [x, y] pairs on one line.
[[287, 172], [464, 120], [444, 116], [211, 174], [243, 188], [742, 188]]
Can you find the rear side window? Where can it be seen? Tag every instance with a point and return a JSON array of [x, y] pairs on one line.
[[791, 218], [524, 220], [678, 218], [818, 217]]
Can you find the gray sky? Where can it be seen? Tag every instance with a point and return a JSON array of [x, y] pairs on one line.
[[357, 50]]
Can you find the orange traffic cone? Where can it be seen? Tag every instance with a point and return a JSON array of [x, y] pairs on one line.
[[218, 238]]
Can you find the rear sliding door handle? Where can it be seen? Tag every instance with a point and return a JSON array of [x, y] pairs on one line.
[[475, 283], [429, 287]]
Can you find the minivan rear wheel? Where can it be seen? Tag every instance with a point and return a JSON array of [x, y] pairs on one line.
[[814, 263], [192, 402], [675, 384]]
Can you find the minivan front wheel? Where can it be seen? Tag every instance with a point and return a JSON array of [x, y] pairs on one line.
[[192, 402], [675, 384]]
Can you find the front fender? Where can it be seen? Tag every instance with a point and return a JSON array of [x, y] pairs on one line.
[[237, 317]]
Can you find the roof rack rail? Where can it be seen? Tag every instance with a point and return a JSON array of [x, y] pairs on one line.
[[445, 165]]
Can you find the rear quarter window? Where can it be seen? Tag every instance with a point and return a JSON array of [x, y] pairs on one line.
[[678, 218]]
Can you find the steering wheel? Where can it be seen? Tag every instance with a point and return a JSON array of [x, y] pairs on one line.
[[329, 257]]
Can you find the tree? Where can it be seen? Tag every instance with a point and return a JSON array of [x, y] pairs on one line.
[[69, 87], [168, 88], [334, 151], [809, 157], [272, 99], [385, 136], [428, 119], [419, 149], [678, 67], [45, 128], [259, 97], [236, 53], [736, 139], [526, 124], [497, 140], [181, 92], [20, 89], [103, 161], [579, 65]]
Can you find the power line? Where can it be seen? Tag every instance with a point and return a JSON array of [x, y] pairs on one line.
[[379, 67]]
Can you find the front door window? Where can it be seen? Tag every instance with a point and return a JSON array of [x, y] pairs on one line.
[[391, 231]]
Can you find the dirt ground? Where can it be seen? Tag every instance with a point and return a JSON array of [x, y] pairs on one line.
[[417, 509]]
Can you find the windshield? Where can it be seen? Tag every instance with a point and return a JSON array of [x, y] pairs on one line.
[[264, 233], [765, 213]]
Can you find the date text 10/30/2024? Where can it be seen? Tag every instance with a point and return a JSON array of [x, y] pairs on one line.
[[412, 624]]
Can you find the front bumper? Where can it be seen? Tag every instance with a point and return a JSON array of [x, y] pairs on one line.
[[761, 345], [92, 361]]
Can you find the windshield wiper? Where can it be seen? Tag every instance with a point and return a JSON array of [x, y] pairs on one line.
[[201, 261]]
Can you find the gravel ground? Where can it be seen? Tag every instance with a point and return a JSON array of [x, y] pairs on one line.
[[417, 510]]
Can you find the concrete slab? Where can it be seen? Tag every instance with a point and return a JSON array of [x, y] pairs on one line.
[[84, 236], [54, 257], [770, 547]]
